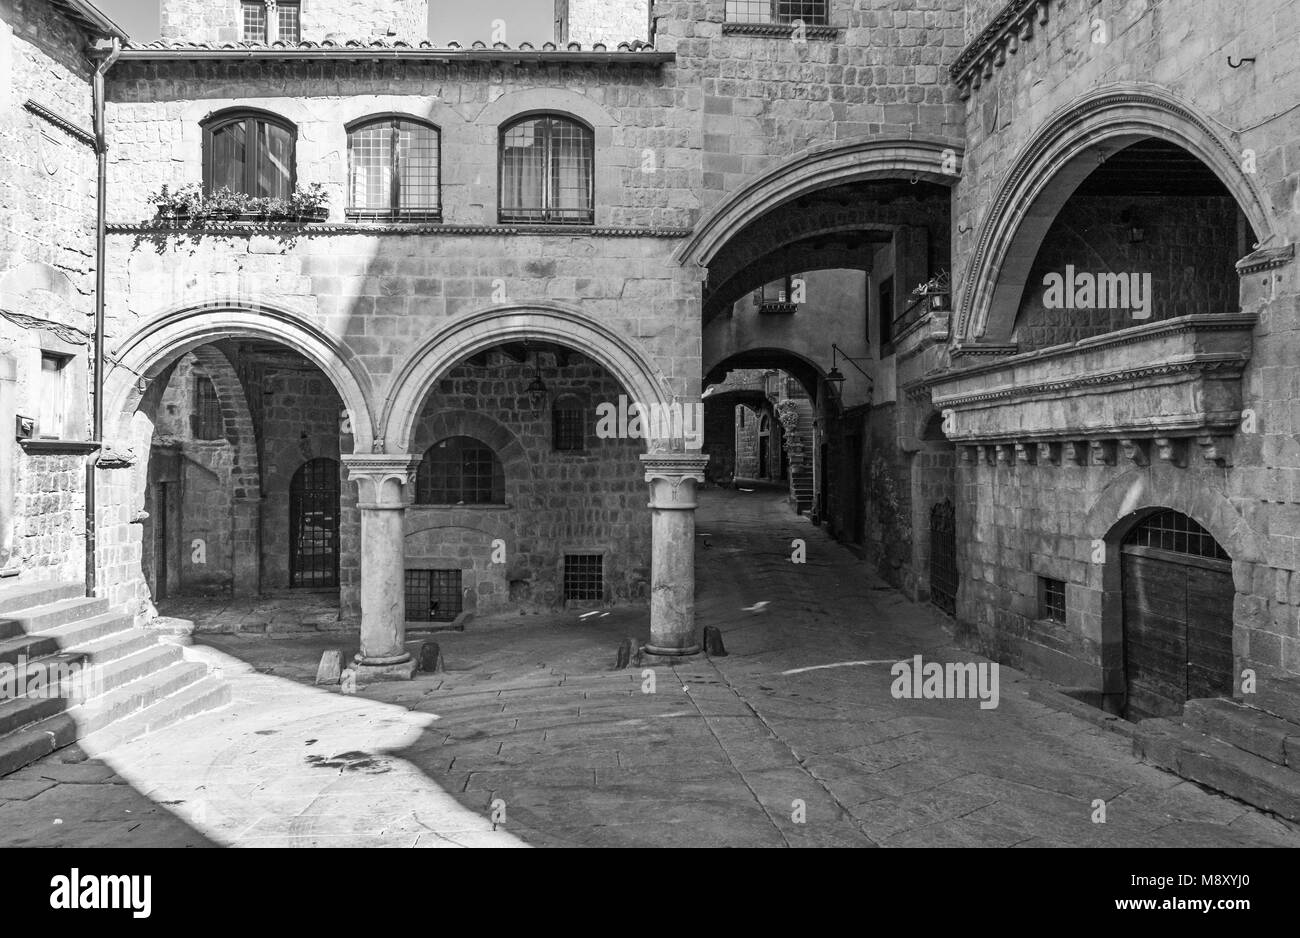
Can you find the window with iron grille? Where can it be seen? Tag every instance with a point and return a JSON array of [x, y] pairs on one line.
[[584, 577], [568, 434], [208, 422], [289, 21], [810, 12], [393, 169], [254, 21], [546, 171], [251, 152], [432, 595], [460, 470], [1051, 599], [1174, 531]]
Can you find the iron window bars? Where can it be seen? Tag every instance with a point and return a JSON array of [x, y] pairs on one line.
[[432, 595], [460, 470], [810, 12], [547, 172], [394, 170], [584, 577]]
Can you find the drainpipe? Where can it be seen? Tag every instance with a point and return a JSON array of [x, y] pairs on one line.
[[101, 225]]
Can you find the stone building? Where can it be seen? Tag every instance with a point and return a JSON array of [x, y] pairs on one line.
[[374, 319]]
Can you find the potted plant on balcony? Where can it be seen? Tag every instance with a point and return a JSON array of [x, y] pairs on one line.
[[178, 206], [309, 204], [938, 288]]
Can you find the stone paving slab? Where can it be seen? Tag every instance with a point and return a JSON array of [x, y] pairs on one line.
[[792, 740]]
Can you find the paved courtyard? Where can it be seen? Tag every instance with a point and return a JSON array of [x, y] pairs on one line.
[[530, 737]]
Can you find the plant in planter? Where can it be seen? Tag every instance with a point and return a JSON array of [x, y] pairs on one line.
[[182, 203], [309, 204], [937, 288], [225, 204]]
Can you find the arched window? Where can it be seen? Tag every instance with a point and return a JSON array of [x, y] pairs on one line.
[[546, 171], [568, 425], [460, 470], [250, 152], [394, 168]]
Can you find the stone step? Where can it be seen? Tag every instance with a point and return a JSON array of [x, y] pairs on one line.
[[50, 615], [63, 638], [1256, 731], [1277, 692], [207, 693], [20, 595], [23, 711], [62, 729], [1218, 765]]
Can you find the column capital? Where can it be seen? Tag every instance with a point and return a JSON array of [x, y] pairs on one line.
[[672, 478], [381, 478]]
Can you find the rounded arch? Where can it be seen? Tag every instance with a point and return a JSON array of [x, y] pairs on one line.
[[616, 352], [147, 352], [1048, 170], [444, 424], [226, 115], [803, 369], [1139, 492], [932, 158], [237, 418], [532, 101], [380, 116]]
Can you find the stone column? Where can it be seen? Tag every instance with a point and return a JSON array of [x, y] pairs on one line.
[[382, 483], [246, 548], [672, 478]]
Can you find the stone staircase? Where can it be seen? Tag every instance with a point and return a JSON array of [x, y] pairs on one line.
[[135, 685], [1249, 751], [801, 464]]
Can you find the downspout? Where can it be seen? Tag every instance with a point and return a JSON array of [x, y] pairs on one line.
[[101, 227]]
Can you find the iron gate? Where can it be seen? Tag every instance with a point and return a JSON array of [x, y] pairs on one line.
[[943, 556], [314, 524]]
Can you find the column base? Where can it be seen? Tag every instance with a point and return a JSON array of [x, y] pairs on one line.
[[671, 652], [370, 671]]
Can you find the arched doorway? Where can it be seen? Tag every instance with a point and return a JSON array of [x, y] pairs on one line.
[[314, 524], [1178, 597]]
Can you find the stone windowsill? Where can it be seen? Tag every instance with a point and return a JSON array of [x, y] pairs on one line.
[[479, 507], [779, 31], [49, 447], [1175, 377]]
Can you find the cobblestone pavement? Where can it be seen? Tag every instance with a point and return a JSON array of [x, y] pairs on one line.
[[794, 739]]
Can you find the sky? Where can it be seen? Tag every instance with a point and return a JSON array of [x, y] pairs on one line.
[[526, 20]]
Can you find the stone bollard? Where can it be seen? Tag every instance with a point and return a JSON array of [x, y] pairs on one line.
[[331, 667], [713, 646], [624, 654], [348, 681], [430, 658]]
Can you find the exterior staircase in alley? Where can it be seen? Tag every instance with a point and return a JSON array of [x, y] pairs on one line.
[[801, 464], [130, 682], [1248, 751]]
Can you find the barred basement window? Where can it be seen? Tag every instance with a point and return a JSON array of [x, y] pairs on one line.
[[546, 171], [567, 430], [208, 422], [393, 169], [584, 577], [1051, 599], [810, 12], [432, 595], [460, 470]]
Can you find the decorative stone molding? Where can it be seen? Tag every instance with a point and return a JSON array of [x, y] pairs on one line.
[[382, 480], [1266, 259], [62, 123], [672, 478], [1171, 450], [1000, 38], [1103, 452], [779, 30], [388, 229], [1026, 453], [1135, 451], [1216, 449], [1074, 454], [114, 456], [1049, 454]]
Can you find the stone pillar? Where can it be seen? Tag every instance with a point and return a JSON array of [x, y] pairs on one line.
[[246, 548], [672, 478], [382, 484]]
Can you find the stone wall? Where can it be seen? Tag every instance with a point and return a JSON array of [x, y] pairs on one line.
[[47, 200], [591, 501], [608, 21], [1190, 248], [222, 20]]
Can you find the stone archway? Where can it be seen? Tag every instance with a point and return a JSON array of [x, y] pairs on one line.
[[1048, 171], [618, 354], [933, 159], [140, 360], [1124, 504]]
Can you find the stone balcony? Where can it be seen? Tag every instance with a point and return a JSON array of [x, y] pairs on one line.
[[1163, 390]]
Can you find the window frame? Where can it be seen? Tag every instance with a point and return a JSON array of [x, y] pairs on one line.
[[254, 118], [547, 209], [271, 26], [566, 403], [207, 407], [58, 401], [280, 5], [1046, 605], [423, 482], [394, 212]]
